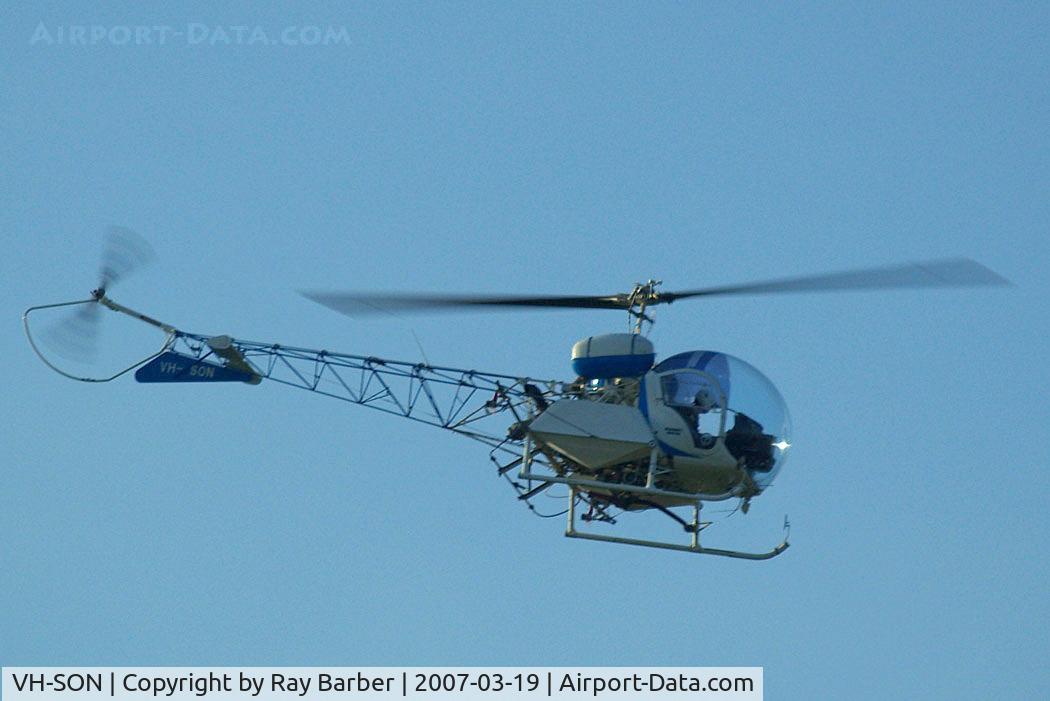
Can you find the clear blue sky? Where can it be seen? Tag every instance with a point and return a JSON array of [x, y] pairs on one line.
[[547, 148]]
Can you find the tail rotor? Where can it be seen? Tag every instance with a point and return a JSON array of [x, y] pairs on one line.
[[76, 336]]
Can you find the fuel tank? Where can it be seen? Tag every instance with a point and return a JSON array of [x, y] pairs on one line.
[[612, 355]]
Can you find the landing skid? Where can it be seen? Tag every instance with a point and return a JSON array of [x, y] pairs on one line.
[[692, 547]]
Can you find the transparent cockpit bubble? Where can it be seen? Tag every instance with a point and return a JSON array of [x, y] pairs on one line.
[[757, 425]]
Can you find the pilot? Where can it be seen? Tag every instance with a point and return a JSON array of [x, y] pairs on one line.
[[704, 401]]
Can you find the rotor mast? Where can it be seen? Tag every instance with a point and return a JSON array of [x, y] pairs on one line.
[[641, 297]]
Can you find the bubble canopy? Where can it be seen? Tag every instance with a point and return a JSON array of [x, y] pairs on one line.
[[757, 425]]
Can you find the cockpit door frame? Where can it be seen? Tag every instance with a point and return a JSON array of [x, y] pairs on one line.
[[660, 397]]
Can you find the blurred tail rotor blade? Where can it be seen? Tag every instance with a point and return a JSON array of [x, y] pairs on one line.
[[124, 253], [76, 336]]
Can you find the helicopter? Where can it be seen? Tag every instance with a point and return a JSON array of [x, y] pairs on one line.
[[626, 434]]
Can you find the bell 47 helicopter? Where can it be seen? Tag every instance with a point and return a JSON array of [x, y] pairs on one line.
[[626, 434]]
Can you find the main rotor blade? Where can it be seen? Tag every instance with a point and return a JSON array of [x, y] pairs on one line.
[[354, 303], [950, 272]]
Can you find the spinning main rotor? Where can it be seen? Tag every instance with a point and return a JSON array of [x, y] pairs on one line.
[[949, 272], [125, 251]]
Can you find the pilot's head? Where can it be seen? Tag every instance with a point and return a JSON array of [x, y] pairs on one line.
[[704, 400]]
